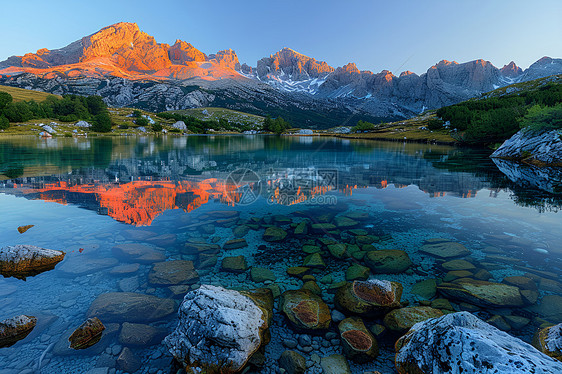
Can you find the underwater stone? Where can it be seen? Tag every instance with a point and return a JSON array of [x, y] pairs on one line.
[[445, 249], [292, 362], [236, 264], [261, 275], [358, 343], [426, 289], [357, 272], [314, 261], [171, 273], [305, 310], [404, 318], [130, 307], [369, 298], [388, 261], [235, 244], [482, 293], [274, 234]]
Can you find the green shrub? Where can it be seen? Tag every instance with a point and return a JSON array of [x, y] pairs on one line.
[[141, 122], [277, 125], [541, 118], [102, 123], [5, 99], [4, 123], [363, 126], [435, 124], [156, 127]]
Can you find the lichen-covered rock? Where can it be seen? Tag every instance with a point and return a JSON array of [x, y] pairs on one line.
[[358, 343], [482, 293], [21, 261], [403, 319], [218, 330], [305, 310], [462, 343], [88, 334], [388, 261], [368, 298], [15, 329], [549, 341]]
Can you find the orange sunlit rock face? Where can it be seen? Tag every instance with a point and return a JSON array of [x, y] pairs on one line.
[[123, 50]]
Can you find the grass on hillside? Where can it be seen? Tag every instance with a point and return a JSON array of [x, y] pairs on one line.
[[212, 113], [20, 94]]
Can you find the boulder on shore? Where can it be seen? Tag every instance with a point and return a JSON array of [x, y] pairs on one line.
[[462, 343], [21, 261], [549, 341], [219, 329]]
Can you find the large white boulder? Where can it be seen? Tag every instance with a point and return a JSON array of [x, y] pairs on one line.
[[462, 343], [218, 330], [180, 125]]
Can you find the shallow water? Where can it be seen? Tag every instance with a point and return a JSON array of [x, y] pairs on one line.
[[85, 196]]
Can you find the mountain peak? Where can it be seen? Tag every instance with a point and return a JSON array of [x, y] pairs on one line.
[[511, 70]]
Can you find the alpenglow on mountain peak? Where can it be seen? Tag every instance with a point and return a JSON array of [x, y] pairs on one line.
[[181, 76]]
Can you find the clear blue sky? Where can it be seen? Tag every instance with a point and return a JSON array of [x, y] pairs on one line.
[[393, 35]]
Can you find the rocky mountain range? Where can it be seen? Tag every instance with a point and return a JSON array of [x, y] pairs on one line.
[[129, 68]]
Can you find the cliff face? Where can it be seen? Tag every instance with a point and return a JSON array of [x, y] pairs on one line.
[[123, 50], [293, 64]]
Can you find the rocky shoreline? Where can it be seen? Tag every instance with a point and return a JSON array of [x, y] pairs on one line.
[[333, 296]]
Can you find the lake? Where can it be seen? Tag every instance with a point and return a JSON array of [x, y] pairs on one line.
[[118, 205]]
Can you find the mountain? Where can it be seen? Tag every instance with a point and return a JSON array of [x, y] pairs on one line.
[[128, 67]]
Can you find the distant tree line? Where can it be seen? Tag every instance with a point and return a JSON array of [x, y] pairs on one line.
[[201, 126], [495, 119], [69, 108]]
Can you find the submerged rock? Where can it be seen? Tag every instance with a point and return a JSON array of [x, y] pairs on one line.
[[388, 261], [21, 261], [274, 234], [358, 343], [15, 329], [171, 273], [403, 319], [236, 264], [369, 298], [134, 252], [305, 310], [130, 307], [335, 364], [444, 249], [135, 334], [88, 334], [482, 293], [549, 341], [292, 362], [219, 329], [462, 343]]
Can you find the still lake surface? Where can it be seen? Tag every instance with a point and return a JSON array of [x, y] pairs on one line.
[[173, 195]]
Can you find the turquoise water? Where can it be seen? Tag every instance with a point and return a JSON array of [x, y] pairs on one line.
[[86, 196]]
